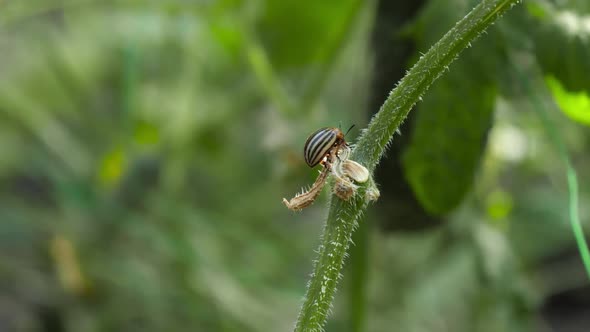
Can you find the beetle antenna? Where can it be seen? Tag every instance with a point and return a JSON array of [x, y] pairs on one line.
[[348, 130]]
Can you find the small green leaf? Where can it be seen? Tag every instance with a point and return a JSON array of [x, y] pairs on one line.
[[576, 105]]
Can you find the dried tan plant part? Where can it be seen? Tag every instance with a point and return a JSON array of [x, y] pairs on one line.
[[372, 194], [306, 198], [344, 188], [355, 171], [346, 172]]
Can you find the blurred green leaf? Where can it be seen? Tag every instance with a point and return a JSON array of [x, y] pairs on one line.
[[112, 167], [158, 106], [155, 102], [576, 105], [451, 123], [448, 140], [297, 33], [499, 204]]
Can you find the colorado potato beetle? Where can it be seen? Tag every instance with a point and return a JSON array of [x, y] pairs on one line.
[[324, 142]]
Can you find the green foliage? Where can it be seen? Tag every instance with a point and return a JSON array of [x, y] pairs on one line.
[[281, 26], [448, 138], [571, 175], [136, 137], [575, 104], [450, 129], [344, 215], [146, 146], [448, 285]]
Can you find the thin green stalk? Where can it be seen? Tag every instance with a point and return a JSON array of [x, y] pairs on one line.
[[330, 53], [269, 80], [344, 215], [359, 274], [264, 72], [572, 181]]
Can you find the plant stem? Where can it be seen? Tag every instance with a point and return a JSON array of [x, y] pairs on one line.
[[359, 274], [343, 216]]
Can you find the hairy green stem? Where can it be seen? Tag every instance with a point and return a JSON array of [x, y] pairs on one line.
[[343, 216]]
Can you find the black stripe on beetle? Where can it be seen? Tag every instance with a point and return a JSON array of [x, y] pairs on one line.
[[321, 144]]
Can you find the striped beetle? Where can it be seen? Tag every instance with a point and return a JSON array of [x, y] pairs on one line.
[[322, 147], [324, 142]]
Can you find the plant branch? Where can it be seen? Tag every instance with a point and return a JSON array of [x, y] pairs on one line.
[[344, 215]]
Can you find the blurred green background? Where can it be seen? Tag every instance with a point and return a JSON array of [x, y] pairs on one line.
[[145, 147]]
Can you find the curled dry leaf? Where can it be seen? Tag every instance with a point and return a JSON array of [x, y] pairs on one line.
[[355, 171], [346, 172]]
